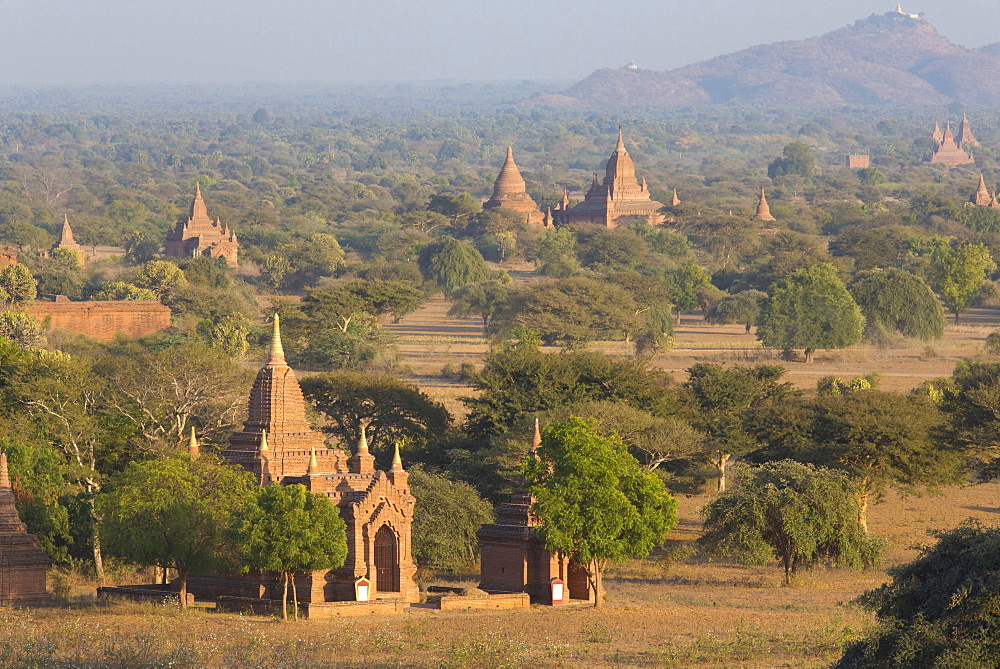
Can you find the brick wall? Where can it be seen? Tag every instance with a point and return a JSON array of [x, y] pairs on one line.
[[104, 320]]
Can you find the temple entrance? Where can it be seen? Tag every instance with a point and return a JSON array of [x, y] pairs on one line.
[[386, 560]]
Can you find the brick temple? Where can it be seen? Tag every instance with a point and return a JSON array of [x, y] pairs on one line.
[[983, 197], [23, 565], [617, 201], [277, 445], [763, 212], [513, 558], [949, 150], [198, 235], [510, 192]]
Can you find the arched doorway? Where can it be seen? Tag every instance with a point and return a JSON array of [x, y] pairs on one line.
[[386, 560]]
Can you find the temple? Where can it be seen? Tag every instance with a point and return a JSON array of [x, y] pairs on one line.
[[983, 197], [277, 445], [513, 558], [509, 192], [23, 565], [949, 151], [763, 211], [965, 136], [198, 235], [66, 240], [618, 201]]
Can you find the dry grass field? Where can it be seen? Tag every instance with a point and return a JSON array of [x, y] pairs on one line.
[[660, 613]]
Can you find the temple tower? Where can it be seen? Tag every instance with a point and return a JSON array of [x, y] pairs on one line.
[[982, 197], [763, 210], [965, 135], [66, 240], [949, 151], [510, 192], [198, 235], [23, 565]]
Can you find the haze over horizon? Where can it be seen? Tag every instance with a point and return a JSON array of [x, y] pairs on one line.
[[67, 42]]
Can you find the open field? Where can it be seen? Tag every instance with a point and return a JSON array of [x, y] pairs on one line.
[[659, 614]]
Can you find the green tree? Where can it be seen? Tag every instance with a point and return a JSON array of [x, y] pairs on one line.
[[796, 513], [956, 274], [18, 286], [939, 610], [687, 286], [22, 329], [810, 309], [742, 308], [287, 529], [971, 401], [557, 251], [389, 409], [445, 520], [452, 264], [120, 290], [480, 299], [796, 158], [174, 513], [160, 277], [596, 503], [895, 300]]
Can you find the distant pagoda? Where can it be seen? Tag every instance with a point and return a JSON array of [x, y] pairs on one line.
[[510, 192], [983, 197], [198, 235], [763, 210], [949, 151]]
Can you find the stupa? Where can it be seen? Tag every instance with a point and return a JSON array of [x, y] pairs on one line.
[[510, 192], [763, 210], [23, 565]]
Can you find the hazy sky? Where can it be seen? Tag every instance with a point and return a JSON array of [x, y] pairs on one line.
[[78, 41]]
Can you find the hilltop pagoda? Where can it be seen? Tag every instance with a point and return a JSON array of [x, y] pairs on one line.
[[617, 201], [510, 192], [197, 235]]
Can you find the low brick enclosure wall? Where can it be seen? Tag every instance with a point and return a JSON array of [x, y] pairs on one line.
[[311, 610], [514, 600], [155, 594], [104, 320]]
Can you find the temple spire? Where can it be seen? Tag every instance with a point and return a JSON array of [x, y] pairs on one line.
[[397, 462], [763, 211], [263, 442], [276, 356], [363, 441], [621, 140], [536, 438], [193, 451], [313, 465], [362, 462], [4, 474]]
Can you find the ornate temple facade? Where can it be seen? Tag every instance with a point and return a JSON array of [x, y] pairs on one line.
[[23, 565], [510, 192], [513, 558], [198, 235], [617, 201], [949, 151], [277, 445]]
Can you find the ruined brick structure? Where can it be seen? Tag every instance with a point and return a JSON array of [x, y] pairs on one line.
[[23, 565], [509, 192], [763, 210], [965, 136], [949, 151], [983, 197], [102, 320], [618, 201], [856, 161], [198, 235], [513, 558], [277, 445]]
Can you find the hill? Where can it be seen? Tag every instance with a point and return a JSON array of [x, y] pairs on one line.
[[889, 58]]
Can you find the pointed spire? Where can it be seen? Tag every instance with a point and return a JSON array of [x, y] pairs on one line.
[[536, 438], [263, 442], [982, 196], [763, 211], [674, 200], [621, 140], [198, 209], [193, 451], [313, 465], [363, 441], [4, 474], [397, 462], [276, 356]]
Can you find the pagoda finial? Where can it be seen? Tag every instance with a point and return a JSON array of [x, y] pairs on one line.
[[621, 140], [193, 451], [263, 441], [510, 153], [536, 438], [4, 474], [397, 462], [276, 356], [197, 189], [313, 465], [674, 200], [363, 441]]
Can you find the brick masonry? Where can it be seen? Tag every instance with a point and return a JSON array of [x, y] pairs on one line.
[[104, 320]]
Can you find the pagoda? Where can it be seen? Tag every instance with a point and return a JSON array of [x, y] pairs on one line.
[[23, 565], [197, 235], [277, 445], [510, 192], [66, 240], [965, 136], [617, 201], [763, 210], [950, 152]]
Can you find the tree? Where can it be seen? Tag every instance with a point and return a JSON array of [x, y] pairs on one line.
[[445, 520], [18, 286], [22, 329], [796, 513], [956, 273], [596, 504], [452, 264], [389, 409], [480, 299], [939, 610], [742, 308], [810, 309], [796, 158], [287, 529], [174, 513], [160, 277], [971, 401], [895, 300], [687, 285], [120, 290], [882, 440], [557, 251], [723, 400]]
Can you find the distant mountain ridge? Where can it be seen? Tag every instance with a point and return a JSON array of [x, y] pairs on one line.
[[888, 58]]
